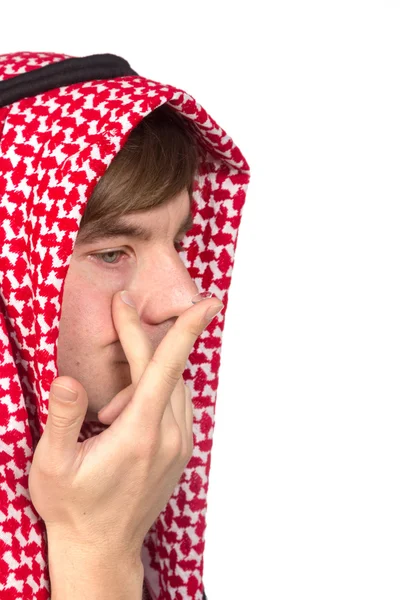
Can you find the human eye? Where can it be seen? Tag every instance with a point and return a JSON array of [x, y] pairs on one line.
[[103, 257], [116, 257]]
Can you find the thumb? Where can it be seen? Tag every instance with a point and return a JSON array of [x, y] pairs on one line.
[[68, 404]]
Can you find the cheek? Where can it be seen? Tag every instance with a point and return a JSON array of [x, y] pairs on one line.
[[86, 313]]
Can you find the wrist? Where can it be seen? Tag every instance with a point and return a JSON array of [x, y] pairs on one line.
[[94, 572]]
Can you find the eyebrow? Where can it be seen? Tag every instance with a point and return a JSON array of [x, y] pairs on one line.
[[93, 232]]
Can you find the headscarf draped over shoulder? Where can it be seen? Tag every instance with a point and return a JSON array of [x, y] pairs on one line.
[[60, 127]]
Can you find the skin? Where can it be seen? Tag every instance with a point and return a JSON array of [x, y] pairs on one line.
[[89, 348], [98, 498]]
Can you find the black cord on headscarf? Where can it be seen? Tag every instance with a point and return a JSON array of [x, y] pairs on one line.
[[61, 73]]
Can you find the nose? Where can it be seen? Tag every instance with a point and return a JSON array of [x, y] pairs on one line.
[[163, 289]]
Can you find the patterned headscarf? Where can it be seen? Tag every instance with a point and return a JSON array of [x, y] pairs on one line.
[[55, 144]]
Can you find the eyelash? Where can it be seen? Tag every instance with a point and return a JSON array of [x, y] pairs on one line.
[[178, 246]]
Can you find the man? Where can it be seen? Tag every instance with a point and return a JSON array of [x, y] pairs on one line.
[[133, 193], [115, 500]]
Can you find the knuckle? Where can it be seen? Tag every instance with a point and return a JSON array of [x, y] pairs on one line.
[[172, 372], [174, 442], [61, 422], [45, 469], [195, 329]]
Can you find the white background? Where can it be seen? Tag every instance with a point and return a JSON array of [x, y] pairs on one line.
[[304, 497]]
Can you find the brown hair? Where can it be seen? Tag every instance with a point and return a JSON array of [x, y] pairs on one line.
[[158, 161]]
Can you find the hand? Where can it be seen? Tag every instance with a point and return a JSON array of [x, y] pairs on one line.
[[109, 489]]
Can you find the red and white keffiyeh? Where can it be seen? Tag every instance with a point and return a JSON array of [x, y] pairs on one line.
[[54, 147]]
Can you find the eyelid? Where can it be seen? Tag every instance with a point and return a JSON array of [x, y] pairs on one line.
[[97, 255], [106, 250]]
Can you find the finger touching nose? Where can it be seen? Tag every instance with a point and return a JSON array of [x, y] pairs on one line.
[[164, 293], [165, 367]]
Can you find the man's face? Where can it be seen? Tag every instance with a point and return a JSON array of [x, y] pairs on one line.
[[88, 346]]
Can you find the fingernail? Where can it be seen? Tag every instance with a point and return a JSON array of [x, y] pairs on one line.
[[212, 312], [201, 296], [64, 393], [127, 298]]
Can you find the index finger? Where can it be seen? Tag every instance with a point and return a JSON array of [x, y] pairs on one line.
[[168, 363]]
